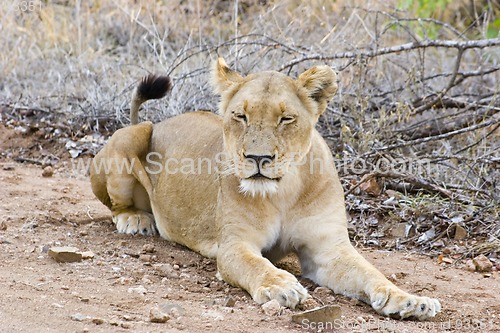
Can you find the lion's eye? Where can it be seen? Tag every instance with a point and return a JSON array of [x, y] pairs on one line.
[[240, 117], [287, 120]]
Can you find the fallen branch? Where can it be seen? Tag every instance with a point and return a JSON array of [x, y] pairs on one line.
[[460, 45], [435, 137], [415, 181]]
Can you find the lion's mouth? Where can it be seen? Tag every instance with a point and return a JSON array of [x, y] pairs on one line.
[[259, 186], [259, 175]]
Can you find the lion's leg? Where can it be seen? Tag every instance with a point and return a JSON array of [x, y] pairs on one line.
[[128, 207], [241, 264], [328, 258], [121, 182]]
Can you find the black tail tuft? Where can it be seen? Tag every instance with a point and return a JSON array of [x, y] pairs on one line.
[[153, 87]]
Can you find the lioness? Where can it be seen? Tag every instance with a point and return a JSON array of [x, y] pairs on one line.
[[247, 187]]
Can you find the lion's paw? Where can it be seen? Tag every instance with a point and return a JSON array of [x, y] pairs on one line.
[[284, 287], [392, 301], [136, 222]]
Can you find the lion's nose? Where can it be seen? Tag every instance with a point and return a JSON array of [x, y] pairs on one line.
[[260, 160]]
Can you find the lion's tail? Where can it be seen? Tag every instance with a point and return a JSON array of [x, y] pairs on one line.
[[150, 87]]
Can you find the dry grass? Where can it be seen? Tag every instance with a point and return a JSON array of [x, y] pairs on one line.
[[81, 59]]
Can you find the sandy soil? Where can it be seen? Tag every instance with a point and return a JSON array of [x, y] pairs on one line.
[[130, 275]]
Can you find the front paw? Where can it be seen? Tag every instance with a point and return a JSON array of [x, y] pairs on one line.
[[135, 222], [283, 287], [393, 302]]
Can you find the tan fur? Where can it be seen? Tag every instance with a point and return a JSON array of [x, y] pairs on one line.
[[245, 219]]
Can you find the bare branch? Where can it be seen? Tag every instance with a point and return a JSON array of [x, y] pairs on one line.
[[461, 45], [436, 137]]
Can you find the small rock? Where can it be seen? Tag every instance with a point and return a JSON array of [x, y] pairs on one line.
[[114, 322], [158, 316], [271, 308], [146, 279], [65, 254], [460, 232], [98, 321], [469, 266], [3, 226], [148, 248], [124, 280], [166, 270], [229, 302], [79, 317], [138, 290], [482, 263], [326, 314], [125, 325], [88, 255], [145, 257], [173, 310], [212, 314], [48, 171], [29, 225]]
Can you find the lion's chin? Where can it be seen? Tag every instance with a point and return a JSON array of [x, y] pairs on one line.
[[260, 186]]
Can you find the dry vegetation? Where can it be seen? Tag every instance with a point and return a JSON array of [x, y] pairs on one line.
[[413, 92]]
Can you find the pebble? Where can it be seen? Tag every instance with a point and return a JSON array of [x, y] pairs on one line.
[[271, 308], [166, 270], [148, 248], [158, 316], [212, 314], [125, 325], [172, 309], [79, 317], [48, 171], [229, 302], [482, 263], [65, 254], [145, 258], [98, 321], [88, 255], [469, 266], [3, 226], [138, 290], [326, 314], [114, 322]]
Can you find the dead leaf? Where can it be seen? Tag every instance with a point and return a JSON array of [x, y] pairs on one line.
[[370, 186]]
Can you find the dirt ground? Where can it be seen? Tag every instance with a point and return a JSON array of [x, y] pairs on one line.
[[130, 275]]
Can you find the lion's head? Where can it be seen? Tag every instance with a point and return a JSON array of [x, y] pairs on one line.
[[269, 120]]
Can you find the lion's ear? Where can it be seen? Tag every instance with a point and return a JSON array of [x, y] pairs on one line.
[[320, 83], [224, 77]]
